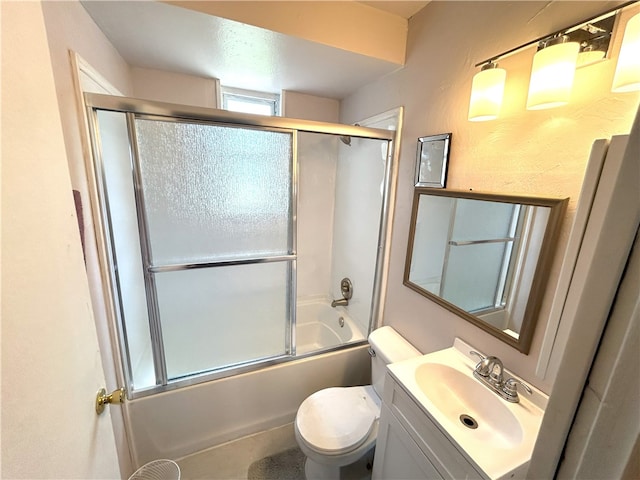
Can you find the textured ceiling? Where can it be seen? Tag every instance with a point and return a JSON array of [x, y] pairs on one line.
[[165, 37]]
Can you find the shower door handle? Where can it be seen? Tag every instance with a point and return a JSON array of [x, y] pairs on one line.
[[117, 396]]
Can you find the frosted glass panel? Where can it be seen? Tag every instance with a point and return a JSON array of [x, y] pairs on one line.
[[222, 316], [480, 220], [472, 274], [213, 192], [116, 160]]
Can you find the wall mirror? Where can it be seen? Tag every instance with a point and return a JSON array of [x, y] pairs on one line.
[[484, 257], [432, 161]]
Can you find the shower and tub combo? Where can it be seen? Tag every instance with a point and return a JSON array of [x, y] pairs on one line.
[[238, 252], [320, 326]]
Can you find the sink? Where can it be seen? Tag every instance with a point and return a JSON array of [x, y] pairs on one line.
[[461, 397], [495, 435]]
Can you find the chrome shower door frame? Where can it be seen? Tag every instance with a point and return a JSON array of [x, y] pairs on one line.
[[134, 108]]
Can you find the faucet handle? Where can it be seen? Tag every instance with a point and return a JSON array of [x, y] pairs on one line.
[[509, 387], [473, 352], [482, 367]]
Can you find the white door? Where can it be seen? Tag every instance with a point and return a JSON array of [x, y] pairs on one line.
[[604, 250], [51, 366], [606, 428]]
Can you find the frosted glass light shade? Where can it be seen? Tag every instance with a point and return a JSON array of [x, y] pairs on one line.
[[552, 76], [486, 94], [627, 76]]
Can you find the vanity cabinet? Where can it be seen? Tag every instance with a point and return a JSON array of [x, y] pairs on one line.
[[398, 457], [411, 446]]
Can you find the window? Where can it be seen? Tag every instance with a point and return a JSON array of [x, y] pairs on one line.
[[248, 101]]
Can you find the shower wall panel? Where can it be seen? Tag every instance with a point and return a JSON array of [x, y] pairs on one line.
[[317, 158], [359, 178]]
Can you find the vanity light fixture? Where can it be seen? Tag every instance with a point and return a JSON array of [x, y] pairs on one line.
[[486, 92], [594, 39], [555, 62], [589, 54], [627, 76], [554, 66]]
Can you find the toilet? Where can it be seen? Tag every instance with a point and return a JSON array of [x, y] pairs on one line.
[[336, 428]]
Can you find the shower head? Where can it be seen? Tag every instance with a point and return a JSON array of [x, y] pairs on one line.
[[347, 139]]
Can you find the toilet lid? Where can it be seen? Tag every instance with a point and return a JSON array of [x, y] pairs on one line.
[[337, 420]]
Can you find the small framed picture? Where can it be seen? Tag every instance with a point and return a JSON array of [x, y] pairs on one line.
[[431, 164]]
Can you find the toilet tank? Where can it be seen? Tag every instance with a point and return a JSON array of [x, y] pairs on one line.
[[389, 347]]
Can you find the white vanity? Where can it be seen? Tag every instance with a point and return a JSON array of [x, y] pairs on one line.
[[439, 422]]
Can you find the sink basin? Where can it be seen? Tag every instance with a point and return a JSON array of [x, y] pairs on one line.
[[462, 398], [495, 435]]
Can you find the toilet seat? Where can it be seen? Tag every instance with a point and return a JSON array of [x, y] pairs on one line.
[[338, 420]]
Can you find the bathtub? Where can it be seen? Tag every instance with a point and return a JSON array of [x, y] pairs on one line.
[[320, 326], [187, 420]]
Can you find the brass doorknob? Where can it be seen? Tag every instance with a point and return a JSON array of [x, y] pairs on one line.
[[117, 396]]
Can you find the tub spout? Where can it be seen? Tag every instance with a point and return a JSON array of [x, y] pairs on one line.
[[346, 288], [343, 302]]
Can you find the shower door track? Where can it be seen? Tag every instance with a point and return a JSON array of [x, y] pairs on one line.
[[142, 107]]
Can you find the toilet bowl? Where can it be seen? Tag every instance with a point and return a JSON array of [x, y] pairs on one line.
[[336, 428]]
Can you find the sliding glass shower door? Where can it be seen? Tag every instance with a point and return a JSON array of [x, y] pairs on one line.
[[214, 219], [196, 217]]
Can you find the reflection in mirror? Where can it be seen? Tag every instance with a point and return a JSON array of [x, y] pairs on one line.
[[484, 257]]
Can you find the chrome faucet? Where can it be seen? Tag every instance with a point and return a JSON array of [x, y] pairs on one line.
[[496, 370], [490, 371], [482, 368], [346, 288]]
